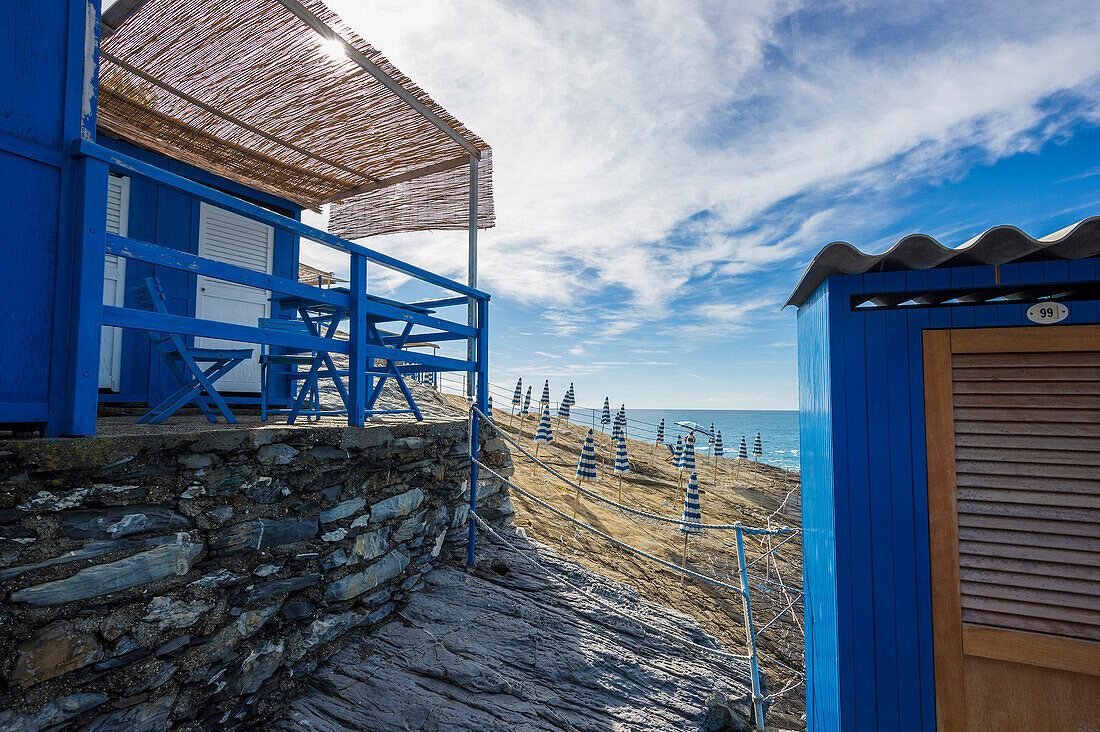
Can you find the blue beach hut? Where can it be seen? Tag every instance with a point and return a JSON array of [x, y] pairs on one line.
[[948, 420], [153, 202]]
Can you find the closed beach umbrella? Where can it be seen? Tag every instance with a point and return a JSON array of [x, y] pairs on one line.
[[677, 451], [718, 451], [526, 404], [489, 408], [691, 517], [757, 448], [622, 464], [687, 457], [545, 393], [605, 418], [710, 440], [570, 397], [563, 412], [742, 453], [660, 435], [621, 416], [586, 467], [517, 399], [544, 433]]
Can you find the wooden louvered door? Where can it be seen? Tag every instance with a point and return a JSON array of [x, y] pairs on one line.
[[1013, 429]]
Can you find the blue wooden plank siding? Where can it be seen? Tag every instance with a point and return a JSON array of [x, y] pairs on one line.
[[170, 219], [864, 476], [41, 75], [819, 536]]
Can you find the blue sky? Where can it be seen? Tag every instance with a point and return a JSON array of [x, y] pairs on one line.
[[664, 171]]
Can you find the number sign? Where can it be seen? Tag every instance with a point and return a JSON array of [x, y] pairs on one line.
[[1046, 313]]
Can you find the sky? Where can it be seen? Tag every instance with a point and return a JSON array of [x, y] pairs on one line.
[[664, 171]]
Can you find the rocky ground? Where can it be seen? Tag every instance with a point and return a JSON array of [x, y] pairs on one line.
[[515, 645], [755, 494]]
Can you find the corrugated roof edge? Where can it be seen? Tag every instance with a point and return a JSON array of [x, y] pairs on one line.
[[999, 245]]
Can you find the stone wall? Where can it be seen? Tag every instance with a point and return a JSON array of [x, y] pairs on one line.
[[190, 580]]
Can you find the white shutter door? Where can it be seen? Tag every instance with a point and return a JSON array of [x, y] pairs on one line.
[[233, 239], [114, 282]]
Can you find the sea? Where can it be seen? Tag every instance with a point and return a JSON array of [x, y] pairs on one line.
[[778, 429]]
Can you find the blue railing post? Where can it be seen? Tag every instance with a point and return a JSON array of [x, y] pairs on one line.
[[357, 337], [750, 632], [481, 361], [87, 301]]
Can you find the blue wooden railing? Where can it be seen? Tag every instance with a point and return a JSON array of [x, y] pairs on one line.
[[95, 162]]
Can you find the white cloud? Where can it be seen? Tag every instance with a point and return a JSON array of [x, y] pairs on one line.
[[613, 122]]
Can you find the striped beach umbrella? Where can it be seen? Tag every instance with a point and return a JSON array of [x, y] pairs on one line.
[[660, 435], [691, 517], [489, 408], [757, 448], [605, 418], [563, 412], [526, 404], [545, 393], [718, 451], [742, 453], [622, 463], [544, 433], [586, 467], [621, 417], [517, 395], [687, 458], [570, 398], [677, 451]]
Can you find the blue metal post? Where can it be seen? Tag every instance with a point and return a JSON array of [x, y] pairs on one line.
[[357, 342], [750, 632], [87, 298], [482, 401]]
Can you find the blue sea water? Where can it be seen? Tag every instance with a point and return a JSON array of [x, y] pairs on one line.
[[778, 429]]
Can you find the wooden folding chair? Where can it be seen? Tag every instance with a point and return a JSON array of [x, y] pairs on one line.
[[183, 361], [292, 358]]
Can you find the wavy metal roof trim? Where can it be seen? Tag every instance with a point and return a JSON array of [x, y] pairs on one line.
[[999, 245]]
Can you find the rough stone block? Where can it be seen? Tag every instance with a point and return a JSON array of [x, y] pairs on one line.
[[277, 454], [356, 584], [116, 522], [334, 535], [263, 533], [398, 506], [409, 527], [194, 461], [52, 715], [102, 579], [372, 544], [343, 510], [56, 649], [168, 613], [275, 588]]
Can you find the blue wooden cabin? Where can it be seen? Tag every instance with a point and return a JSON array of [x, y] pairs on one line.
[[950, 443], [122, 158]]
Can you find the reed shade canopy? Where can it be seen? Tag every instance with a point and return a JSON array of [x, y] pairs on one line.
[[247, 89]]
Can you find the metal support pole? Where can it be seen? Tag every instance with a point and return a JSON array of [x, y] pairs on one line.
[[482, 402], [471, 268], [358, 381], [750, 633]]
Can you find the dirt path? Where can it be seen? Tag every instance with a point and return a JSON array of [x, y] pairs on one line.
[[750, 493]]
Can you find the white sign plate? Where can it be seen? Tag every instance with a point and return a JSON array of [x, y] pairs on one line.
[[1046, 313]]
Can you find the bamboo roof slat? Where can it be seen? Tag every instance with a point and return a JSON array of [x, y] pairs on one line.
[[247, 90]]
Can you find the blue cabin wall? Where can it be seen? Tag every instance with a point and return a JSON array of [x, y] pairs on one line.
[[41, 75], [818, 521], [862, 423], [170, 219]]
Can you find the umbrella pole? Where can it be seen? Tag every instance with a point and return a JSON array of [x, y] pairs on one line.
[[576, 501], [535, 466], [684, 565], [715, 481], [620, 487]]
